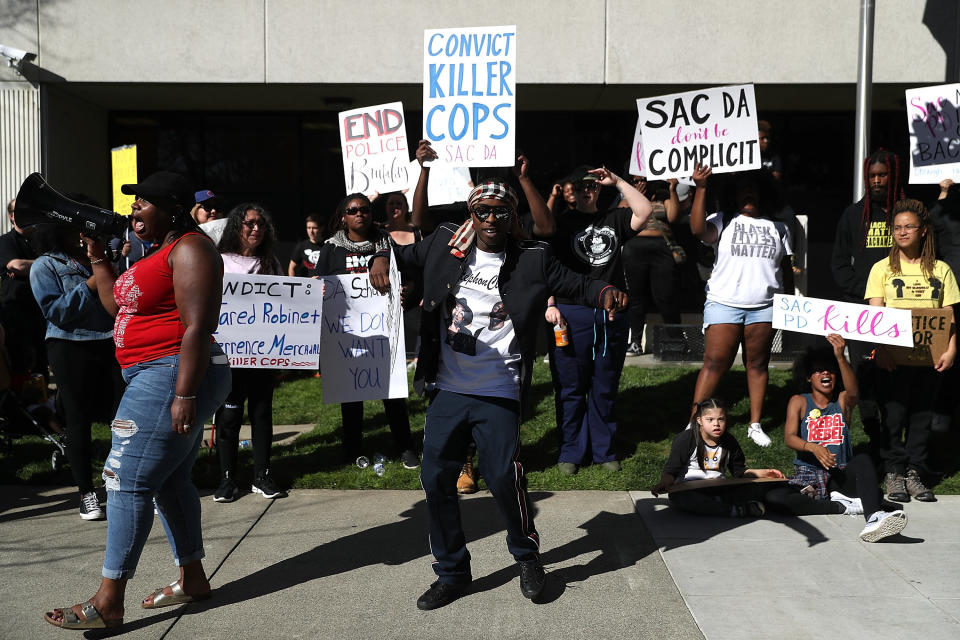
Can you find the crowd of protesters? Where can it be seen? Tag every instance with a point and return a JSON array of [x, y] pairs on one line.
[[568, 262]]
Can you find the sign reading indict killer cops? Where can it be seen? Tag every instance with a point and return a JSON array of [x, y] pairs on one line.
[[373, 141], [469, 95], [884, 325], [270, 322], [361, 355], [933, 120], [714, 127]]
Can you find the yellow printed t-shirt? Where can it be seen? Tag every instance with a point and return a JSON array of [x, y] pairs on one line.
[[910, 289]]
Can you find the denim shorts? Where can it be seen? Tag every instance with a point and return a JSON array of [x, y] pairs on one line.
[[717, 313]]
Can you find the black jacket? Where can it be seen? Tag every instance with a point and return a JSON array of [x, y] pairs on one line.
[[686, 443], [529, 275], [853, 256]]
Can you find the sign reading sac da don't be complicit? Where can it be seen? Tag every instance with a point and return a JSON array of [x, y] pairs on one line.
[[469, 95]]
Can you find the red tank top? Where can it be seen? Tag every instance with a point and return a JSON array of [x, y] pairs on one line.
[[148, 324]]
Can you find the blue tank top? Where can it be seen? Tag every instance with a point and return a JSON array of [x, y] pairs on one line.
[[826, 427]]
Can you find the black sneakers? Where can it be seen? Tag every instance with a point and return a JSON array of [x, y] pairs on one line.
[[90, 507], [227, 491], [410, 459], [265, 486], [441, 594], [532, 578]]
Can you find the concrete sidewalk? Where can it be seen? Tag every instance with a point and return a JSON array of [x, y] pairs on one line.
[[350, 564]]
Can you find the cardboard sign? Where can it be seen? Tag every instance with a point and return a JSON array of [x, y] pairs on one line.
[[123, 163], [270, 322], [714, 127], [883, 325], [720, 482], [931, 336], [360, 355], [469, 95], [933, 121], [373, 141]]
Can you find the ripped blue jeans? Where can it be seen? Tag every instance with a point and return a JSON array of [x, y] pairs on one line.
[[148, 460]]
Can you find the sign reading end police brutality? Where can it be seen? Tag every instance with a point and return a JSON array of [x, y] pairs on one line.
[[373, 141], [714, 127], [469, 95], [270, 322], [361, 355]]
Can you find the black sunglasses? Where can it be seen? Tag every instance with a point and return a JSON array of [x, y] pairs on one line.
[[352, 211], [250, 224], [483, 211], [586, 186]]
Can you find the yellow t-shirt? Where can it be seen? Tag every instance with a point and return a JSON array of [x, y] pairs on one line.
[[910, 289]]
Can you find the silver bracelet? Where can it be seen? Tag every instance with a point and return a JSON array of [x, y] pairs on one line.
[[98, 260], [179, 397]]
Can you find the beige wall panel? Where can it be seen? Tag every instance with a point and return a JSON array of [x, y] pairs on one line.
[[150, 41], [381, 41]]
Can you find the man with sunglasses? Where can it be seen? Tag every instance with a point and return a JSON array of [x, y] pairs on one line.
[[586, 373], [479, 280]]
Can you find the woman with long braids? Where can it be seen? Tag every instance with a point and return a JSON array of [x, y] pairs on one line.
[[910, 278], [246, 246], [348, 251]]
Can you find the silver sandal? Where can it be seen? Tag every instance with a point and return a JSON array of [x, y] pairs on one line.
[[92, 618], [161, 599]]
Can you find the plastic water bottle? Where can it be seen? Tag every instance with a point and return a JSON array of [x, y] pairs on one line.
[[244, 444], [363, 462], [379, 457], [378, 468]]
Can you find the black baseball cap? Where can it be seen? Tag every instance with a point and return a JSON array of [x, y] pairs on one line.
[[582, 174], [164, 185]]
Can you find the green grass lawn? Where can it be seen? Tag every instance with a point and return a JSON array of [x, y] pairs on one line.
[[652, 408]]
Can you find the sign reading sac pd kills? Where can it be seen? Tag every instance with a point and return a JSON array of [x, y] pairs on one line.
[[714, 127], [469, 95], [373, 141], [270, 322]]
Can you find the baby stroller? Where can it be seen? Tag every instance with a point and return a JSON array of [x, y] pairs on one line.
[[24, 410]]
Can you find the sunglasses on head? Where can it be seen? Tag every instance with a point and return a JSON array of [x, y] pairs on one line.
[[586, 186], [483, 211], [352, 211]]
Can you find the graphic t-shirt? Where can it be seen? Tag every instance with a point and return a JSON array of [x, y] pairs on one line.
[[711, 465], [747, 269], [910, 289], [824, 427], [878, 235], [304, 257], [479, 353], [590, 244]]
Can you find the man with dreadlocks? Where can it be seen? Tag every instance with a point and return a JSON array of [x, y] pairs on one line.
[[863, 238]]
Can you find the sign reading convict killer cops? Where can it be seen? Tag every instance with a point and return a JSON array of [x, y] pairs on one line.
[[270, 322], [714, 127], [469, 95], [933, 121], [373, 141]]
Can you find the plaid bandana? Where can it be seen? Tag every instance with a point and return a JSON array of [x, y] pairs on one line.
[[462, 240]]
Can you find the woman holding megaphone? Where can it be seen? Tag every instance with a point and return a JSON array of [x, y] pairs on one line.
[[166, 307]]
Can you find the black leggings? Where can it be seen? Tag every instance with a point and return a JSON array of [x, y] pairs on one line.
[[857, 480], [397, 418], [255, 386], [89, 386], [652, 276], [718, 501]]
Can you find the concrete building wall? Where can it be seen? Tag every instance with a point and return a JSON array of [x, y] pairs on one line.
[[560, 42]]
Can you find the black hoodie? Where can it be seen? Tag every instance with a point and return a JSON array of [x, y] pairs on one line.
[[852, 257]]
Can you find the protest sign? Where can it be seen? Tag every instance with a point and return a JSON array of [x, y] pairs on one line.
[[931, 336], [123, 163], [361, 353], [883, 325], [270, 322], [469, 95], [373, 141], [933, 121], [715, 127], [637, 162], [447, 184]]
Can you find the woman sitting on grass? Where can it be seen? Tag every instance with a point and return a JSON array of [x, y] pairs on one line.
[[705, 452], [829, 478]]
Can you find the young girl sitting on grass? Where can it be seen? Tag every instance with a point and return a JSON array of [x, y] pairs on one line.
[[829, 478], [705, 452]]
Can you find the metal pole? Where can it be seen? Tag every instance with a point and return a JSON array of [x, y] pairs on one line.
[[864, 95]]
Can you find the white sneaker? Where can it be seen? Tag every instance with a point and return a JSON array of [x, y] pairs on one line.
[[755, 433], [852, 506], [883, 524], [90, 507]]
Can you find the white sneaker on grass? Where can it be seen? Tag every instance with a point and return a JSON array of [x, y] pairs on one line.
[[755, 433], [883, 524], [852, 506]]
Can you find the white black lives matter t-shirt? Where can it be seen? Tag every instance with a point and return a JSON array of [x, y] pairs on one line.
[[747, 270], [479, 353]]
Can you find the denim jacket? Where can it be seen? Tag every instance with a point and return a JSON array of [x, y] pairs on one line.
[[72, 310]]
